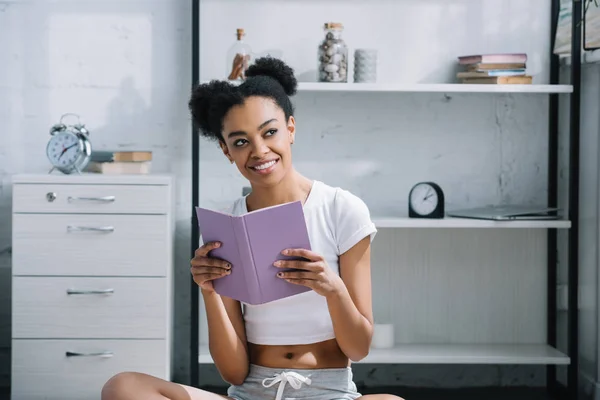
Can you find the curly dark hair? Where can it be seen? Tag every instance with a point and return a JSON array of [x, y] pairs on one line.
[[267, 77]]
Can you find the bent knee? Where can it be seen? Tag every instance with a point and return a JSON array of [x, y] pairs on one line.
[[121, 386]]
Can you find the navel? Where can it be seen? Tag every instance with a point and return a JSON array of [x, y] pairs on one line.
[[289, 356]]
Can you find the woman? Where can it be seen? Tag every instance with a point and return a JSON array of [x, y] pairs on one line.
[[300, 346]]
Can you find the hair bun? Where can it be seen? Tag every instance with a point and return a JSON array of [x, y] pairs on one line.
[[276, 69], [206, 97]]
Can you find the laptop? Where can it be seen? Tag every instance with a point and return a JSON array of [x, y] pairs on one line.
[[507, 212]]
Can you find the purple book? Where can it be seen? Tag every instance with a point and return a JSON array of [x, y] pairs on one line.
[[252, 243]]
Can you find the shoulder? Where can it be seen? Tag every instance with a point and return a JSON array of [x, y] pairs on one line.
[[340, 201], [349, 215]]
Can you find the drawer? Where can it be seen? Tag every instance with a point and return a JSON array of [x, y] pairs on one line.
[[90, 308], [97, 245], [41, 369], [94, 199]]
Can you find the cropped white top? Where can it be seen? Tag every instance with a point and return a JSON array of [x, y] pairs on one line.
[[336, 220]]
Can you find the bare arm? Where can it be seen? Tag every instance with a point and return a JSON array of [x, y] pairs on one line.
[[226, 337], [350, 305], [348, 294], [226, 331]]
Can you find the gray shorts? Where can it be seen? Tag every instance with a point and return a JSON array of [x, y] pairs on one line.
[[279, 384]]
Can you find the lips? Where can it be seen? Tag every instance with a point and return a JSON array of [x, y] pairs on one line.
[[264, 166]]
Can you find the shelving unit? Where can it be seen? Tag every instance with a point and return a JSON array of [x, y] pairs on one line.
[[449, 222], [456, 353], [431, 88]]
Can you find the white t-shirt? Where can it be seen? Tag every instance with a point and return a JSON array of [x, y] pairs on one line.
[[336, 220]]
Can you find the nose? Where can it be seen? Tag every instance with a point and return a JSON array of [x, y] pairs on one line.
[[259, 149]]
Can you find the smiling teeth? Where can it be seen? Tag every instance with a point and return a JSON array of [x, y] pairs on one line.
[[265, 165]]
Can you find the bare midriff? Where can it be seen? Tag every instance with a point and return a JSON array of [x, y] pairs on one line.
[[319, 355]]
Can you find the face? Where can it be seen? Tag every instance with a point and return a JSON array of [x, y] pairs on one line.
[[257, 138]]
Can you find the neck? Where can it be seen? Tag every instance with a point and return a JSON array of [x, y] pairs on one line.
[[294, 187]]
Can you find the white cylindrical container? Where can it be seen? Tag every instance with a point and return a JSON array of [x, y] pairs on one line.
[[383, 336], [365, 65]]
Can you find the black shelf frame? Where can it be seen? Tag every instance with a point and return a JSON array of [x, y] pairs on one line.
[[554, 388], [194, 376]]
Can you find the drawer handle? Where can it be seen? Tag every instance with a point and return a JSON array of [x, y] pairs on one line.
[[105, 199], [73, 228], [101, 291], [104, 354]]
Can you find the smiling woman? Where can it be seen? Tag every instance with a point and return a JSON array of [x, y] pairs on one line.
[[308, 340], [253, 122]]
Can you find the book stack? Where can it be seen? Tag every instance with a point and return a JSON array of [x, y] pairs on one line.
[[120, 162], [507, 68]]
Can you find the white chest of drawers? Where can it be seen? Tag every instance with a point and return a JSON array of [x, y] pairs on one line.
[[91, 282]]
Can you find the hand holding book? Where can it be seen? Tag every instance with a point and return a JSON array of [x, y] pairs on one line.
[[205, 269], [252, 243], [309, 270]]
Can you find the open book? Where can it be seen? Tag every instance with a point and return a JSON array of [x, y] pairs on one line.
[[252, 243]]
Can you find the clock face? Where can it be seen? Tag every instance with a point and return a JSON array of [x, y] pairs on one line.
[[424, 199], [64, 149]]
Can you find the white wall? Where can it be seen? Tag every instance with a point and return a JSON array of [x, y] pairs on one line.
[[418, 41], [125, 67]]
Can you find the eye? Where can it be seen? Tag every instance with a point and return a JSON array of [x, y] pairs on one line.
[[271, 132], [239, 142]]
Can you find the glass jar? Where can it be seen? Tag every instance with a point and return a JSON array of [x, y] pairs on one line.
[[333, 55], [238, 58]]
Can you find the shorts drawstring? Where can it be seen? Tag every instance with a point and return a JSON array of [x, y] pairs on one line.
[[293, 378]]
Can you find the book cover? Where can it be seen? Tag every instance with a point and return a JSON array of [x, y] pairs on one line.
[[500, 66], [120, 156], [480, 74], [119, 167], [500, 58], [252, 243], [500, 80]]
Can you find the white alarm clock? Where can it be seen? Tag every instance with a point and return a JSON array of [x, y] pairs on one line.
[[69, 148]]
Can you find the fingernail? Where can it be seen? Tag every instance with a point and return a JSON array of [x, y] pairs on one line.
[[228, 266], [280, 274], [286, 251], [277, 263], [217, 244]]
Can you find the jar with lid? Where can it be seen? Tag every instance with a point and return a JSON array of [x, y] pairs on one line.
[[333, 55]]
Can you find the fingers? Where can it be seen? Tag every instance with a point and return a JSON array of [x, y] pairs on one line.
[[299, 264], [202, 260], [210, 262], [208, 270], [304, 253], [303, 282], [298, 275], [201, 279], [206, 248], [203, 274], [209, 277]]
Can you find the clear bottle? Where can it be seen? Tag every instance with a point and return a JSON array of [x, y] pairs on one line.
[[333, 54], [238, 58]]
